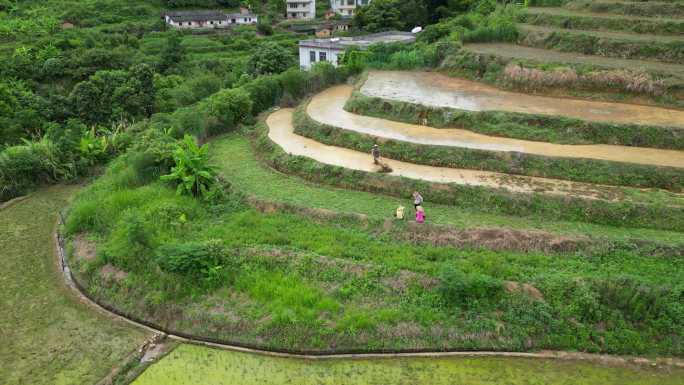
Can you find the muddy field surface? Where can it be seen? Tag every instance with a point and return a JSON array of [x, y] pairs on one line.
[[435, 89], [327, 107], [281, 131]]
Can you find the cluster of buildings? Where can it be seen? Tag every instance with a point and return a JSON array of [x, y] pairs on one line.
[[295, 9], [320, 49]]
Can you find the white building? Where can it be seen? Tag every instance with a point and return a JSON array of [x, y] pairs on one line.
[[301, 9], [330, 50], [207, 19], [347, 7], [241, 18]]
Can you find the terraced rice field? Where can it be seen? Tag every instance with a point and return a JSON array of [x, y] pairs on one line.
[[513, 51], [194, 365], [47, 336], [642, 36]]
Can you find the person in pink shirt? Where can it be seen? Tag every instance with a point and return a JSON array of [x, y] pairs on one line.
[[420, 214]]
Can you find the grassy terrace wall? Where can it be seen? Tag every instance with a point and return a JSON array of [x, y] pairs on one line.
[[588, 22], [544, 128], [491, 69], [642, 9], [471, 197], [574, 169], [593, 44]]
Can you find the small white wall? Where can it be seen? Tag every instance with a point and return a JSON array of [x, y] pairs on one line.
[[305, 56], [303, 10]]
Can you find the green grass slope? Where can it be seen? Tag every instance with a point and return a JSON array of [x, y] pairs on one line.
[[237, 163]]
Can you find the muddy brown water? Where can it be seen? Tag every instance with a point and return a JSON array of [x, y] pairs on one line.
[[281, 131], [327, 107], [435, 89]]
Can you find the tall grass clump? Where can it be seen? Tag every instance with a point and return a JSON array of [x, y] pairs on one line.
[[28, 165], [525, 78]]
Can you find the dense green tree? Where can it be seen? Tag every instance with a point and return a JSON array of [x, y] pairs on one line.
[[172, 54], [379, 15], [413, 13], [270, 58], [264, 26], [113, 95], [22, 113], [229, 107]]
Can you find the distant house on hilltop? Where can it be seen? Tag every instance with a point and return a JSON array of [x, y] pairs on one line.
[[330, 50], [208, 19]]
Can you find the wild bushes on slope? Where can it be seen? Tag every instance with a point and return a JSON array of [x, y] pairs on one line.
[[283, 280]]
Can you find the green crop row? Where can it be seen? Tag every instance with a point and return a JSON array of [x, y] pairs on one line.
[[590, 44], [588, 22], [641, 9], [483, 199]]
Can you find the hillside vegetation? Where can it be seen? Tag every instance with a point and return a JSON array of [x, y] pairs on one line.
[[196, 220]]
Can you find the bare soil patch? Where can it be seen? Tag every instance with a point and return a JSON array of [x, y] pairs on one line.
[[109, 272], [84, 249], [494, 238]]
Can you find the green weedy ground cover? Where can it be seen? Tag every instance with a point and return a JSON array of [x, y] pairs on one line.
[[225, 271], [642, 9], [47, 336], [190, 365]]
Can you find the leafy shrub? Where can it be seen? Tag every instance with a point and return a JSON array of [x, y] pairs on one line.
[[192, 172], [459, 288], [264, 92], [191, 258], [294, 84], [270, 58], [28, 165], [131, 241], [229, 108]]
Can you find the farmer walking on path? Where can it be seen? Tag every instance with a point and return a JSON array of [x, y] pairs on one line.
[[375, 151], [417, 200]]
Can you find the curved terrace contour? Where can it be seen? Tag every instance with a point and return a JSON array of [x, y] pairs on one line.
[[281, 132], [327, 107]]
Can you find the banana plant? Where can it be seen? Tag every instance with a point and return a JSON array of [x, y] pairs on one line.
[[192, 172]]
